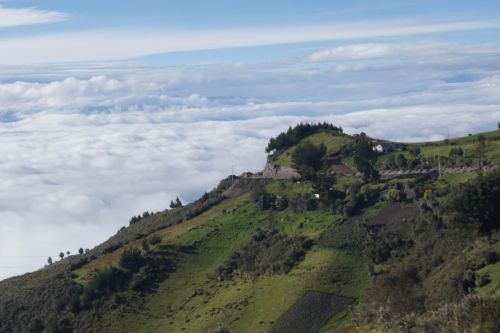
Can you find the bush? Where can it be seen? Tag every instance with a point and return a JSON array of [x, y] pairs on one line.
[[267, 252], [156, 268], [291, 137], [263, 199], [105, 281], [132, 260], [394, 195], [112, 248], [202, 205], [343, 237], [307, 157], [478, 202], [154, 239]]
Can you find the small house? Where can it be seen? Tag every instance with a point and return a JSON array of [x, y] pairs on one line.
[[384, 147]]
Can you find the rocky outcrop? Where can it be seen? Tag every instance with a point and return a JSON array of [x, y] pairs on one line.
[[243, 185], [279, 172]]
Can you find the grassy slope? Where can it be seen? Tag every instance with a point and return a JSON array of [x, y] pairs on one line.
[[248, 305], [333, 144], [252, 305], [493, 272], [243, 304], [468, 143]]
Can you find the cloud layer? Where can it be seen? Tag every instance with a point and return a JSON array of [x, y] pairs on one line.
[[404, 51], [126, 44], [82, 153], [13, 17]]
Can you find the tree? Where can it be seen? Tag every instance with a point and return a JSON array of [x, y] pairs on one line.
[[324, 186], [394, 195], [132, 259], [145, 245], [263, 199], [61, 255], [401, 162], [293, 135], [477, 202], [307, 158], [50, 260], [68, 253], [363, 155], [75, 303], [414, 151], [80, 250], [175, 204], [481, 148], [456, 152]]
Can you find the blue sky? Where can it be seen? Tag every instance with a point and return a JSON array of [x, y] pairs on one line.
[[111, 108], [187, 23]]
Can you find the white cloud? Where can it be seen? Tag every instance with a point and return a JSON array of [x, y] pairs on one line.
[[13, 17], [405, 51], [80, 155], [125, 44]]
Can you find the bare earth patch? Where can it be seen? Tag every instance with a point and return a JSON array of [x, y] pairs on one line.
[[310, 312]]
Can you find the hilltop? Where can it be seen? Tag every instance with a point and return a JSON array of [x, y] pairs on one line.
[[338, 233]]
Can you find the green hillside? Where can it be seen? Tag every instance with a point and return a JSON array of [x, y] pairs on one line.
[[378, 249]]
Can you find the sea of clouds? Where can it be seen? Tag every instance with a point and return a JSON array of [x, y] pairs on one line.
[[83, 148]]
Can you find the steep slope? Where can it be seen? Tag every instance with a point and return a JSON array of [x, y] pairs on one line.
[[336, 251]]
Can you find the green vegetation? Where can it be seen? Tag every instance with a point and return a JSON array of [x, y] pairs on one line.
[[332, 141], [404, 254], [293, 136], [267, 252]]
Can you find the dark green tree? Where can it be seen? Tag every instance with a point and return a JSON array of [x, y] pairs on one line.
[[363, 157], [479, 202], [414, 151], [307, 158], [132, 259], [481, 148], [401, 161]]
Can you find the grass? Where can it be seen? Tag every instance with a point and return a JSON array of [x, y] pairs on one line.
[[493, 272], [168, 234], [244, 305], [289, 188], [191, 300], [342, 322], [374, 210], [332, 142], [469, 144], [458, 178]]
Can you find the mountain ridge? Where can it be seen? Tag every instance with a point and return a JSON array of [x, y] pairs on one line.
[[202, 268]]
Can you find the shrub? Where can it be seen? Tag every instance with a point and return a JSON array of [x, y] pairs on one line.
[[105, 281], [291, 137], [343, 237], [112, 247], [394, 195], [263, 199], [154, 239], [267, 252], [428, 195], [477, 202], [307, 157], [132, 260]]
